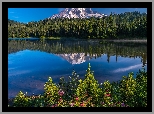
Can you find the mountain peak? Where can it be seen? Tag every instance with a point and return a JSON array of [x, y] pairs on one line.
[[77, 13]]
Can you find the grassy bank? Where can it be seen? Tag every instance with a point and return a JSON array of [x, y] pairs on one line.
[[128, 92]]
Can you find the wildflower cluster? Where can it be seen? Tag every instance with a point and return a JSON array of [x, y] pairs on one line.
[[129, 92]]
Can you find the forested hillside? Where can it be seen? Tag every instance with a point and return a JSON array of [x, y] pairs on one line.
[[125, 25]]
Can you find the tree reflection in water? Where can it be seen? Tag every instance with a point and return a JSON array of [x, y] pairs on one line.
[[93, 49]]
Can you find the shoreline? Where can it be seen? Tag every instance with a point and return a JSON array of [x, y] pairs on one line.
[[122, 40], [64, 38]]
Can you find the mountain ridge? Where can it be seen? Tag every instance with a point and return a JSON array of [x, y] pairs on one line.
[[77, 13]]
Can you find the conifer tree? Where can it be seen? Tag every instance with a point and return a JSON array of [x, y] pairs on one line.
[[89, 87]]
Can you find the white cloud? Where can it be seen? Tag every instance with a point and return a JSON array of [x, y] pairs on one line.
[[127, 68], [21, 72]]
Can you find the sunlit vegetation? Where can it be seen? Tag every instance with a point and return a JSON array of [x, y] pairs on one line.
[[87, 92], [75, 92], [115, 26], [92, 48]]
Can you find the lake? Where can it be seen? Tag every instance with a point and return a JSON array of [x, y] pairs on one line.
[[31, 62]]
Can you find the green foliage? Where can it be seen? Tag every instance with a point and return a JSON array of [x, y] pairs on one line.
[[141, 91], [37, 101], [124, 49], [128, 89], [129, 24], [106, 92], [129, 92], [51, 92], [70, 86], [89, 87], [21, 100]]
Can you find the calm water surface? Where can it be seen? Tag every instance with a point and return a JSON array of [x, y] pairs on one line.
[[31, 62]]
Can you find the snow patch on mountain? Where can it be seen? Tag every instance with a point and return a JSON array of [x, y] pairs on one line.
[[77, 13]]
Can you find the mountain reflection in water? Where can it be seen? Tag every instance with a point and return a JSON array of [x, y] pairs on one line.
[[31, 62]]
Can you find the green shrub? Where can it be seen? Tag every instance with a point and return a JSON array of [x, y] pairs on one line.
[[21, 100], [51, 93], [70, 86], [129, 92], [106, 93], [89, 87], [128, 89], [141, 91]]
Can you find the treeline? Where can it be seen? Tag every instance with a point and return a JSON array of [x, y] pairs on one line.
[[124, 25], [93, 49]]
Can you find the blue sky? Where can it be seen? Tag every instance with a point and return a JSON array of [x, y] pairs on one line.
[[35, 14]]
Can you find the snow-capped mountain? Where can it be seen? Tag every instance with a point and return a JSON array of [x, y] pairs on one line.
[[77, 13], [75, 58]]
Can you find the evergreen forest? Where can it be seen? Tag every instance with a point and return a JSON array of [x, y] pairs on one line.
[[115, 26]]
